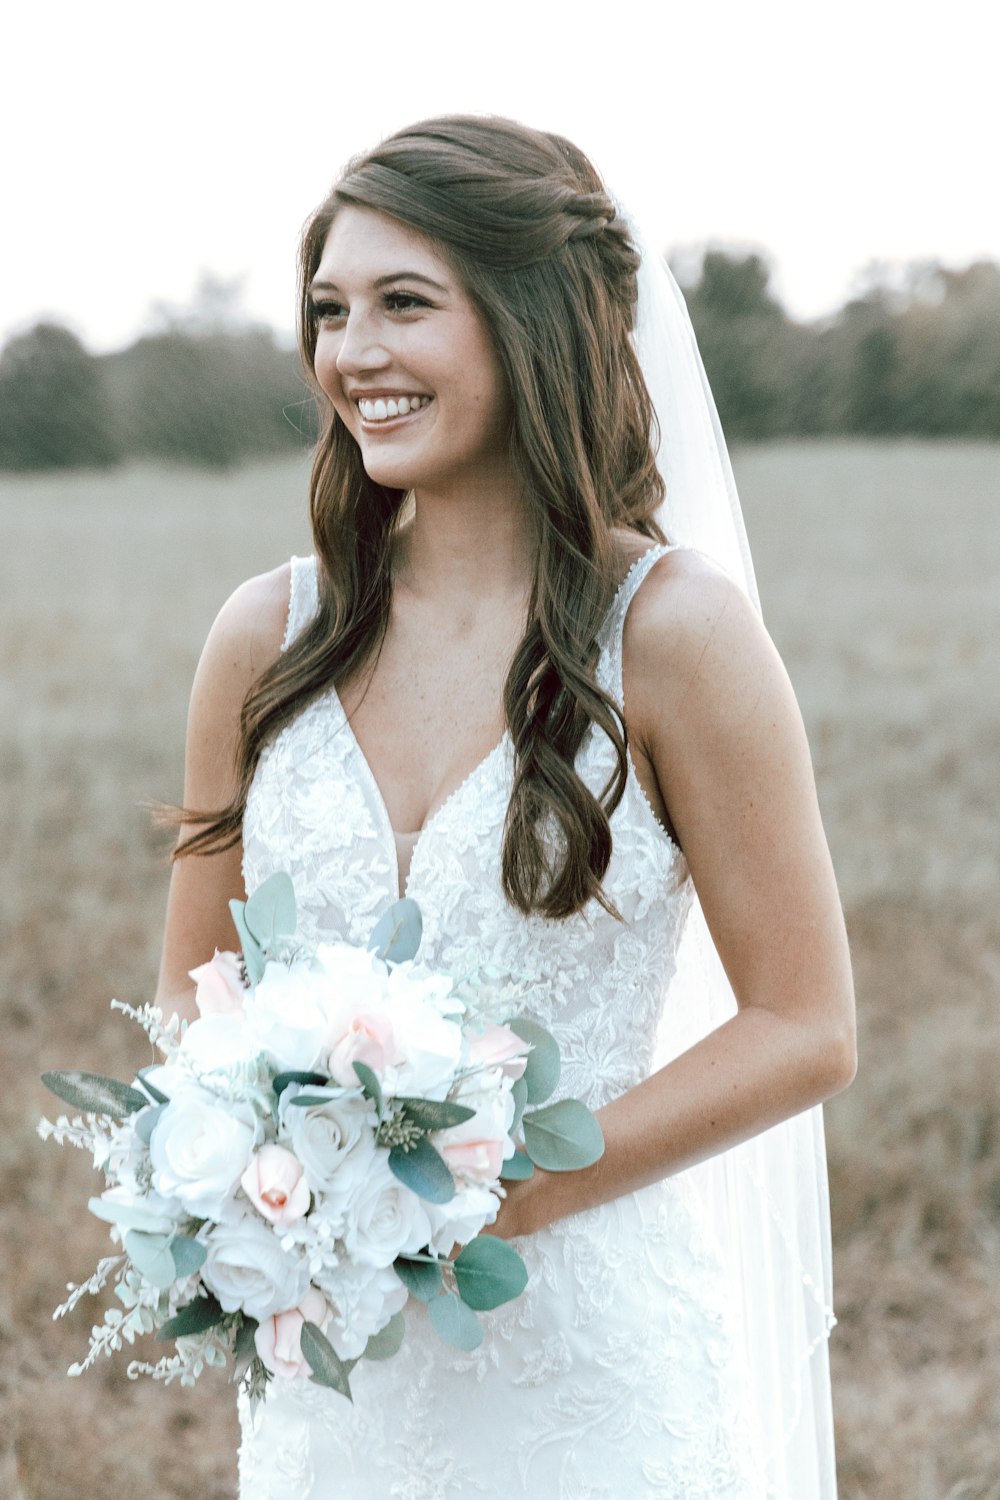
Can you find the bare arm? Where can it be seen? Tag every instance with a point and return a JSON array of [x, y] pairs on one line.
[[244, 640], [712, 709]]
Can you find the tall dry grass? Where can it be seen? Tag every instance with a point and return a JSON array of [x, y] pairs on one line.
[[878, 569]]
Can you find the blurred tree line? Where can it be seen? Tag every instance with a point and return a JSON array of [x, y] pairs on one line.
[[206, 387]]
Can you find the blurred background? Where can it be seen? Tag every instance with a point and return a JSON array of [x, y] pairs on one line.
[[819, 179]]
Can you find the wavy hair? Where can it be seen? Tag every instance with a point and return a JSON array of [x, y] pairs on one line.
[[543, 253]]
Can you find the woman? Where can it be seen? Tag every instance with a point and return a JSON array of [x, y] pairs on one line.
[[499, 689]]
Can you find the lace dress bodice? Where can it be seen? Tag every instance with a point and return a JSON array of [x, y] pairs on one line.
[[613, 1375]]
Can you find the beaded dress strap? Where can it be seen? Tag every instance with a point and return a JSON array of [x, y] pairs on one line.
[[303, 598]]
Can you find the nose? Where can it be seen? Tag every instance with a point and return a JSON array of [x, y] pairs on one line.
[[361, 347]]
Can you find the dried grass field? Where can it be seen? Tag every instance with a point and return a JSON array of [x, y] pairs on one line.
[[879, 569]]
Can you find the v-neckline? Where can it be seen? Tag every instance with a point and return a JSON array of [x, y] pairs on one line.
[[476, 770], [383, 808]]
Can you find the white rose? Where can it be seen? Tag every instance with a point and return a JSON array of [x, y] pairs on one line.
[[334, 1141], [362, 1299], [461, 1218], [200, 1148], [384, 1218], [288, 1015], [247, 1268], [216, 1042], [428, 1046], [356, 977]]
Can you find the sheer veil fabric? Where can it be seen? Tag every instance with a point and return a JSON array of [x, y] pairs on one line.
[[768, 1198]]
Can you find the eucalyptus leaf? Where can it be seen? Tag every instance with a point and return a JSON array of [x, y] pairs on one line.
[[562, 1137], [516, 1168], [489, 1271], [456, 1323], [388, 1341], [195, 1317], [270, 912], [326, 1364], [519, 1094], [157, 1095], [423, 1170], [434, 1114], [306, 1100], [145, 1123], [369, 1081], [420, 1277], [253, 954], [543, 1064], [398, 931], [150, 1254], [282, 1080], [188, 1254], [96, 1094], [130, 1215]]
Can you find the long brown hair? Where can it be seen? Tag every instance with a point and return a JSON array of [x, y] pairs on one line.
[[541, 250]]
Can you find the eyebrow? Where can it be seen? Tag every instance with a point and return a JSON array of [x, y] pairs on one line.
[[382, 281]]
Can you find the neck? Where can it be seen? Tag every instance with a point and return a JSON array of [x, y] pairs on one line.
[[477, 546]]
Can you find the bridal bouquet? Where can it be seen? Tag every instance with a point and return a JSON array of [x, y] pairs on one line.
[[311, 1151]]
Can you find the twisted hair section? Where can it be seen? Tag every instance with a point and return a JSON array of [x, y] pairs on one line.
[[546, 257]]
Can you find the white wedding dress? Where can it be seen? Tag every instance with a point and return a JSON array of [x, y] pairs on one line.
[[613, 1376]]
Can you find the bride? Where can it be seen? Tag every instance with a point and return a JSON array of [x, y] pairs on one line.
[[519, 684]]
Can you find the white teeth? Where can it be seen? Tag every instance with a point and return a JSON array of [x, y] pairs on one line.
[[381, 410]]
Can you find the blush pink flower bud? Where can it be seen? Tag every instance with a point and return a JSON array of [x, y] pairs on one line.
[[279, 1339], [368, 1039], [480, 1161], [276, 1185], [220, 989], [502, 1048]]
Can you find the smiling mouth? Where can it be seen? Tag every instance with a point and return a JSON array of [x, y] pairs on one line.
[[390, 411]]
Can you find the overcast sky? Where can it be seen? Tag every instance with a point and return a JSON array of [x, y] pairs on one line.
[[144, 144]]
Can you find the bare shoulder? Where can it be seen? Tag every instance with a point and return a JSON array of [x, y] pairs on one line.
[[691, 628], [249, 629]]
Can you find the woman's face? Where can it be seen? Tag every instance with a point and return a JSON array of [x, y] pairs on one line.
[[405, 357]]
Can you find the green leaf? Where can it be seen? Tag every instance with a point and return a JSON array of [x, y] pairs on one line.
[[96, 1094], [305, 1101], [519, 1094], [434, 1114], [145, 1124], [188, 1254], [542, 1072], [150, 1254], [388, 1341], [130, 1216], [194, 1317], [253, 954], [456, 1323], [270, 913], [398, 932], [326, 1364], [369, 1080], [489, 1271], [563, 1137], [424, 1171], [282, 1080], [516, 1168], [420, 1277], [244, 1347], [151, 1089]]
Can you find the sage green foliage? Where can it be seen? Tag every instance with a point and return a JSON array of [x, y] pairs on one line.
[[456, 1323], [517, 1168], [563, 1137], [196, 1317], [96, 1094], [434, 1114], [150, 1254], [372, 1086], [396, 936], [388, 1341], [326, 1364], [423, 1170], [488, 1272], [265, 921], [543, 1066], [422, 1278], [130, 1216]]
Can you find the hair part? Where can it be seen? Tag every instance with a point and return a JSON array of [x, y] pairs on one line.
[[542, 251]]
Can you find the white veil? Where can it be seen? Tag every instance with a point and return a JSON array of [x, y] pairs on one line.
[[767, 1199]]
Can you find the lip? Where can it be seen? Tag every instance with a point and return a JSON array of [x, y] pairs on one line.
[[387, 424]]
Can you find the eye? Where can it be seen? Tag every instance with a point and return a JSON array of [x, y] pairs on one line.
[[328, 312], [403, 302]]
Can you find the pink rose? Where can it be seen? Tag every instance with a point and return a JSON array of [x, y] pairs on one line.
[[276, 1185], [279, 1339], [479, 1161], [220, 989], [368, 1039], [500, 1047]]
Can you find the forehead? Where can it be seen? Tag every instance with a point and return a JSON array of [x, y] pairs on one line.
[[363, 245]]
